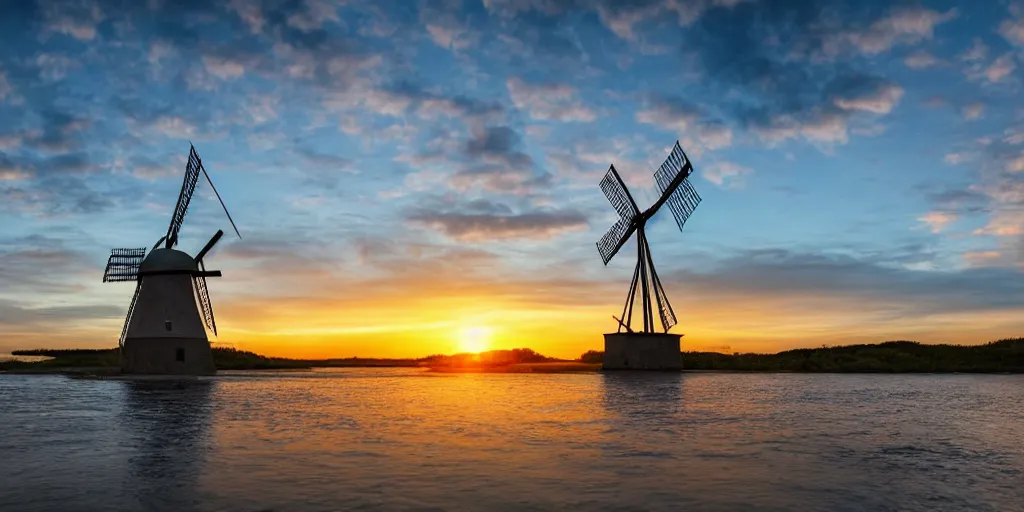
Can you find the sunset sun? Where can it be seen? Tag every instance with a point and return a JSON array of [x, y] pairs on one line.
[[475, 339]]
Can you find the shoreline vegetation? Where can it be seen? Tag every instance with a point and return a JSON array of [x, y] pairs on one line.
[[1002, 356]]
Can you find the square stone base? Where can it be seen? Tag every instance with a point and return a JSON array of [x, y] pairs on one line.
[[642, 351]]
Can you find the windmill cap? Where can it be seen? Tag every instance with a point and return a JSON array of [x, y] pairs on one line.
[[163, 260]]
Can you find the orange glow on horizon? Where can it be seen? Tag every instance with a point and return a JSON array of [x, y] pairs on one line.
[[423, 317], [475, 339]]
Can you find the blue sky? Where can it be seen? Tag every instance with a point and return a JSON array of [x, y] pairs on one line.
[[399, 167]]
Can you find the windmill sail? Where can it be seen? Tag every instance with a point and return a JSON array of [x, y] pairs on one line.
[[188, 187], [128, 317], [615, 190], [203, 296], [123, 265], [672, 181], [618, 195], [613, 239]]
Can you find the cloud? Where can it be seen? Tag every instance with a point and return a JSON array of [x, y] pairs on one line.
[[1014, 135], [893, 291], [10, 141], [977, 52], [960, 200], [548, 101], [313, 15], [1013, 30], [954, 158], [903, 25], [622, 18], [147, 168], [863, 92], [223, 68], [920, 60], [22, 257], [250, 13], [498, 144], [444, 27], [821, 126], [1001, 68], [498, 179], [5, 86], [1001, 169], [938, 221], [1004, 223], [826, 123], [448, 38], [686, 120], [1015, 164], [478, 227], [53, 67], [781, 72], [973, 111], [61, 132], [726, 174], [17, 317], [323, 170], [70, 162], [174, 127], [530, 41], [78, 19], [398, 98], [326, 160], [981, 258], [10, 170]]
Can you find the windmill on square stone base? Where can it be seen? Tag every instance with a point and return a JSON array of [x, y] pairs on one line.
[[628, 349]]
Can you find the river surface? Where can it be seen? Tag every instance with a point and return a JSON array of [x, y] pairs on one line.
[[401, 439]]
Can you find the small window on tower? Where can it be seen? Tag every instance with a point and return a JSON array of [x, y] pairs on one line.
[[180, 355], [167, 325]]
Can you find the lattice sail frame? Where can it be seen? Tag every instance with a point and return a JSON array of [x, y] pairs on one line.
[[684, 199], [188, 187], [123, 265], [128, 317], [203, 297], [615, 190]]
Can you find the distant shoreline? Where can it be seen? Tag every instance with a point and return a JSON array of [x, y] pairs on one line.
[[1002, 357]]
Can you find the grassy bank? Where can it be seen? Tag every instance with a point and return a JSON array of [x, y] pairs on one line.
[[108, 361], [1003, 356], [224, 358]]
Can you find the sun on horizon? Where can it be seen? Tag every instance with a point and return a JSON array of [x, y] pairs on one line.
[[475, 339]]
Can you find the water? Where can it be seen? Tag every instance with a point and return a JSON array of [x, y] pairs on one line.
[[383, 439]]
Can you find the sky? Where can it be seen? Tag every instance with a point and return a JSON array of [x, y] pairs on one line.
[[417, 177]]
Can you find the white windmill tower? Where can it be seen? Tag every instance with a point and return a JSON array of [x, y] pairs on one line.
[[163, 332], [646, 349]]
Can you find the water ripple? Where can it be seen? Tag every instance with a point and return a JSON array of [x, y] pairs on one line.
[[378, 439]]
